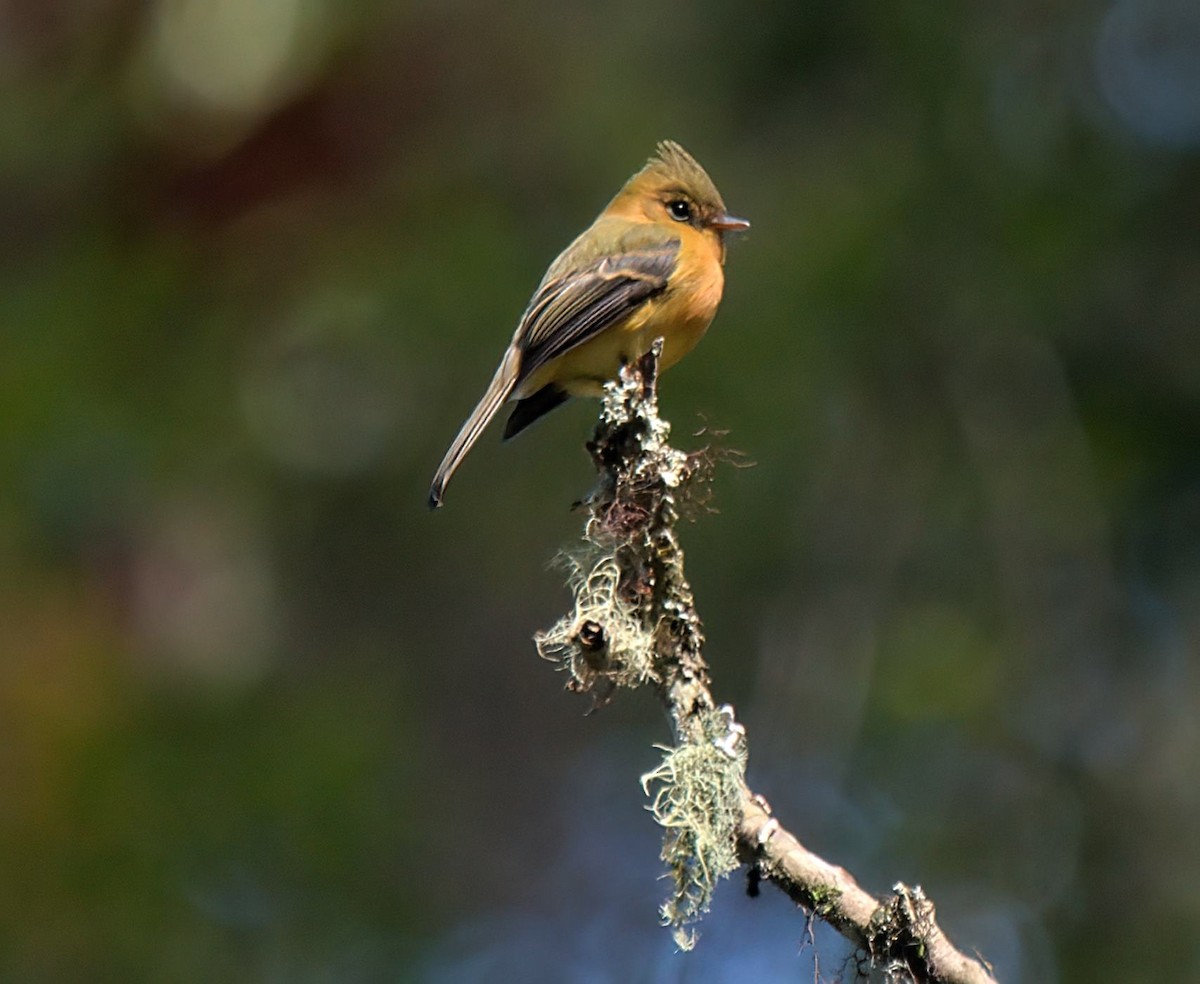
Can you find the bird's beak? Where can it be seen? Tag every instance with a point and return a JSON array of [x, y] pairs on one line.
[[729, 223]]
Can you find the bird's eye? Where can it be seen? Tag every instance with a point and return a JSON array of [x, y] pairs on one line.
[[680, 210]]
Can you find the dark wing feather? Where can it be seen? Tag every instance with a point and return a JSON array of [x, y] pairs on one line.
[[568, 310], [532, 407]]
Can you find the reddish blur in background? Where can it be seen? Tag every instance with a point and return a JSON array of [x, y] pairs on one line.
[[264, 718]]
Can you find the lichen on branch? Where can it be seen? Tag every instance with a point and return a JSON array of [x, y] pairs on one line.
[[634, 623], [696, 792]]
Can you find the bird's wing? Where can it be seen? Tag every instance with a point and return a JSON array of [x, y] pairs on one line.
[[569, 309]]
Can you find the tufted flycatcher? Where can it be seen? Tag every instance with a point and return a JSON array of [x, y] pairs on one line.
[[649, 267]]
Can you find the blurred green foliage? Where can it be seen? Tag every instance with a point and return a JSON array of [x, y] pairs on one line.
[[263, 718]]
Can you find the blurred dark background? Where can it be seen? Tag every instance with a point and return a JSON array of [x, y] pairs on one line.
[[264, 718]]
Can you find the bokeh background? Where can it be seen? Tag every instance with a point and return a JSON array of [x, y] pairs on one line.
[[264, 718]]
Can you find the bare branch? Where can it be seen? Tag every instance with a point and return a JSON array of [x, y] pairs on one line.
[[899, 933], [634, 623]]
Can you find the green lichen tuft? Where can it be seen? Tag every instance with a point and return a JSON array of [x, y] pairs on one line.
[[627, 659], [696, 800]]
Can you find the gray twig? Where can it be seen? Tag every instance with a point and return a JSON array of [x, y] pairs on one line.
[[634, 622]]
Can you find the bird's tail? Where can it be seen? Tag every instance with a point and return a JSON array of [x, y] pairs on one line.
[[493, 398]]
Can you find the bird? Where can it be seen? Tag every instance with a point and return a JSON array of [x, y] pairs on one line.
[[650, 266]]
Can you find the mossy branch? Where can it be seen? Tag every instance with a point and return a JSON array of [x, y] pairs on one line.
[[634, 622]]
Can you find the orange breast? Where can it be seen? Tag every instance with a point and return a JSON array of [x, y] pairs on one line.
[[689, 306]]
